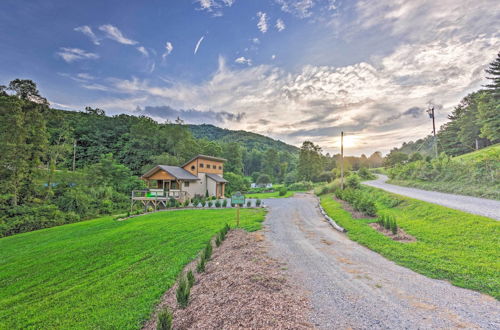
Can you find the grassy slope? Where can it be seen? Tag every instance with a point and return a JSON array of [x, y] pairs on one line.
[[491, 191], [102, 273], [452, 245]]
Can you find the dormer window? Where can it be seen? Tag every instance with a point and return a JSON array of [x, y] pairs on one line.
[[220, 167], [193, 167], [202, 165], [208, 165]]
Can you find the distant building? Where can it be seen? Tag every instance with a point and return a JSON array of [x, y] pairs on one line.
[[261, 185]]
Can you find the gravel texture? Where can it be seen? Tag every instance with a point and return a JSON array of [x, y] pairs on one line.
[[354, 287], [481, 206], [242, 288]]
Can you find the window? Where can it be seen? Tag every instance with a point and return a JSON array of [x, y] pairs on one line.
[[220, 167], [193, 167], [186, 184], [208, 165], [202, 165]]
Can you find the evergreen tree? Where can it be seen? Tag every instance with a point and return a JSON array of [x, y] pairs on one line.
[[494, 76]]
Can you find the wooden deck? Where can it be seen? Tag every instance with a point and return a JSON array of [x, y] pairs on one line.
[[157, 198]]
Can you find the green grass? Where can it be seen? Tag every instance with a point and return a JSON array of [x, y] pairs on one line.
[[275, 194], [102, 273], [451, 245], [491, 152]]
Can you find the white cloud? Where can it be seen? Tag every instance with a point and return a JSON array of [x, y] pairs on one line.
[[75, 54], [280, 25], [86, 30], [168, 49], [143, 51], [256, 41], [114, 33], [85, 76], [214, 6], [299, 8], [262, 23], [198, 44], [273, 57], [243, 60]]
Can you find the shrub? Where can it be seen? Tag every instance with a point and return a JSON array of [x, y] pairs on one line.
[[165, 319], [249, 203], [208, 251], [222, 235], [282, 191], [394, 227], [182, 292], [186, 203], [224, 203], [203, 203], [364, 173], [210, 204], [227, 228], [190, 278], [217, 240], [217, 203], [301, 186], [200, 267], [258, 202], [353, 181]]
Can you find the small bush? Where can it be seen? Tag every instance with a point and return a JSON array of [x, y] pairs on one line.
[[282, 191], [186, 203], [224, 203], [218, 241], [210, 204], [182, 293], [208, 251], [222, 235], [258, 202], [353, 181], [203, 203], [301, 186], [394, 227], [217, 203], [190, 278], [165, 319], [200, 267]]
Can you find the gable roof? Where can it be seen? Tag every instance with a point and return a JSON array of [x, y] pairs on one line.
[[217, 159], [175, 171], [217, 178]]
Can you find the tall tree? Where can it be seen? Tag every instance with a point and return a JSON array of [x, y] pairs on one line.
[[310, 161], [493, 72]]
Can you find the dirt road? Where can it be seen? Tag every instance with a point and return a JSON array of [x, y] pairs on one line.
[[354, 287], [481, 206]]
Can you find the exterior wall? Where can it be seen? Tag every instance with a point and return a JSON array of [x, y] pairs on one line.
[[212, 186], [160, 175], [212, 164], [189, 167], [197, 187]]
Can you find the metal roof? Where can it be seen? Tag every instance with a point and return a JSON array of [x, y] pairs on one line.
[[175, 171], [205, 157], [217, 178]]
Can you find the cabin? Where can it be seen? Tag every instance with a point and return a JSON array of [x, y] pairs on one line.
[[200, 175]]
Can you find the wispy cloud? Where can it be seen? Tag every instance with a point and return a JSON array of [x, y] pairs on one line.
[[299, 8], [243, 60], [256, 41], [262, 23], [280, 25], [114, 33], [75, 54], [86, 30], [143, 51], [214, 6], [168, 49], [198, 44]]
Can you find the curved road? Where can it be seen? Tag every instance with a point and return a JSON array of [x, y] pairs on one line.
[[351, 286], [481, 206]]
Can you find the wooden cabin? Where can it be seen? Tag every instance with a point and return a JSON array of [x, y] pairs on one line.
[[201, 175]]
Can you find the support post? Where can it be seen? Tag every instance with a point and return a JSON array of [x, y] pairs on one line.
[[238, 215]]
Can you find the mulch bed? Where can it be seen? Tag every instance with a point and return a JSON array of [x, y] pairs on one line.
[[241, 288], [400, 236]]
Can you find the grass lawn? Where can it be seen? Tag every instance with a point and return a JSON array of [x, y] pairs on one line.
[[102, 273], [275, 194], [451, 245]]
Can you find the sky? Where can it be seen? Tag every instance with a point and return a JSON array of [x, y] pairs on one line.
[[292, 70]]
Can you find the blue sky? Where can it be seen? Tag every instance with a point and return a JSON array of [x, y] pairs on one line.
[[294, 70]]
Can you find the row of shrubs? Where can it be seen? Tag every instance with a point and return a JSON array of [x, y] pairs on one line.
[[388, 223], [185, 283], [359, 200]]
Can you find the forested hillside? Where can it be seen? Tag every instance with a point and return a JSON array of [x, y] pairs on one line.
[[248, 140]]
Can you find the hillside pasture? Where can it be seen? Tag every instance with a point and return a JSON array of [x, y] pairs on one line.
[[102, 274]]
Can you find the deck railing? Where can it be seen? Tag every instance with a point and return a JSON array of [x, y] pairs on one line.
[[158, 194]]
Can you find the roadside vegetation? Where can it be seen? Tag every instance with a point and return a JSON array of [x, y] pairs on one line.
[[103, 273], [450, 245], [474, 174]]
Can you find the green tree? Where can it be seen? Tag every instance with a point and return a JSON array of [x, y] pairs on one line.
[[494, 76], [310, 161], [234, 155], [489, 117]]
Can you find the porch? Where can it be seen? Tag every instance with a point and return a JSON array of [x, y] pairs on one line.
[[157, 198]]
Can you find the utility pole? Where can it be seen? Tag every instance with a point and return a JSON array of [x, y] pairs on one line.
[[342, 160], [430, 111], [74, 155]]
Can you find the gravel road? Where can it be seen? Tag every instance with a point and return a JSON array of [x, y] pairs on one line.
[[353, 287], [481, 206]]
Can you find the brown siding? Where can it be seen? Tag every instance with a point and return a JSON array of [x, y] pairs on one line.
[[212, 163], [187, 167], [161, 175]]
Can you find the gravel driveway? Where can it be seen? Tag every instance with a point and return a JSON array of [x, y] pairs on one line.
[[481, 206], [354, 287]]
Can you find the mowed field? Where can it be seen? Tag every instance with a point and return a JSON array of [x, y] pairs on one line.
[[452, 245], [102, 273]]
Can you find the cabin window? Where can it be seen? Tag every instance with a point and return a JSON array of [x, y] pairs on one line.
[[173, 185], [220, 167], [193, 167], [208, 165], [202, 165], [186, 184]]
